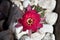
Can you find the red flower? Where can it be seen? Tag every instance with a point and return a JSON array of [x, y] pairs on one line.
[[31, 21]]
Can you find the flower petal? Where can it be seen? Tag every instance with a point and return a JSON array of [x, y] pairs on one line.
[[29, 8], [19, 20], [40, 25]]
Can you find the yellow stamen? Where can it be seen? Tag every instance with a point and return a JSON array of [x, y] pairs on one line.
[[30, 21]]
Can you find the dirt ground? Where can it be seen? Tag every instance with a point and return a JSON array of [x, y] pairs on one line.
[[57, 25]]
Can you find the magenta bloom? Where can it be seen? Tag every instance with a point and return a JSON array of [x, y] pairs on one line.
[[31, 21]]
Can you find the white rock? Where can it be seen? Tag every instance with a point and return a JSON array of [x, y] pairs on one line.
[[51, 18], [18, 29], [37, 36], [46, 28], [53, 37], [21, 0], [19, 35], [47, 4], [16, 0], [49, 36], [34, 2], [26, 3], [12, 27], [25, 37], [18, 3]]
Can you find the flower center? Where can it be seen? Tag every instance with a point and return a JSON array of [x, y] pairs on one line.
[[30, 21]]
